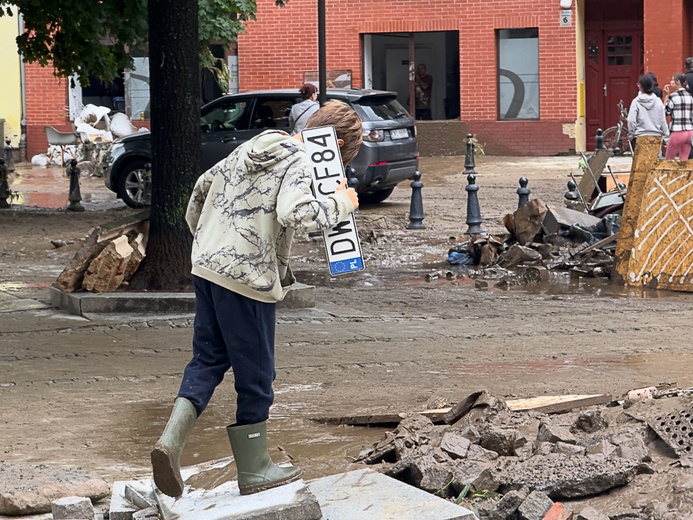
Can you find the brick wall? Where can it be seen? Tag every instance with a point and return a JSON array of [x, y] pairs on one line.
[[46, 102], [293, 32]]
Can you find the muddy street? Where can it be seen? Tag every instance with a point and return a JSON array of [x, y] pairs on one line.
[[95, 393]]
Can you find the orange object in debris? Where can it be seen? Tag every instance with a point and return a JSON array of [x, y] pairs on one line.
[[558, 512]]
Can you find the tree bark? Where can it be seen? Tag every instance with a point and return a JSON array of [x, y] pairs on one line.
[[175, 125]]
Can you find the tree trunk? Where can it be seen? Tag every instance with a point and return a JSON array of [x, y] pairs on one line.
[[175, 125]]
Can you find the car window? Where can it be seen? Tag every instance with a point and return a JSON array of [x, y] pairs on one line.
[[381, 108], [224, 116], [272, 113]]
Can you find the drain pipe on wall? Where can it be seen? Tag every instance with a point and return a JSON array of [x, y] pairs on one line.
[[22, 122]]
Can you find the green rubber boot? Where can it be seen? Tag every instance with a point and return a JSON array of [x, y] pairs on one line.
[[168, 449], [256, 471]]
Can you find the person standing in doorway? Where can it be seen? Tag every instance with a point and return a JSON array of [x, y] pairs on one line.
[[423, 89], [243, 214], [301, 112], [679, 107], [646, 114]]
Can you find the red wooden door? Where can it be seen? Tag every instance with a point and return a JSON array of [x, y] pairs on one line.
[[614, 61]]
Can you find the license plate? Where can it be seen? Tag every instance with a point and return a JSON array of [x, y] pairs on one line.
[[342, 241], [399, 133]]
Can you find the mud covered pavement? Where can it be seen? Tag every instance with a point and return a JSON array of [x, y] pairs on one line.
[[95, 393]]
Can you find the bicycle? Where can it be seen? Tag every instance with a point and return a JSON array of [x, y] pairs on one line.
[[616, 137]]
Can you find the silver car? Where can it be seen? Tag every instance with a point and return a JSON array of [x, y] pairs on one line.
[[388, 155]]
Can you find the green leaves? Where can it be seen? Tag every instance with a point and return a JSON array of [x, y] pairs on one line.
[[98, 37]]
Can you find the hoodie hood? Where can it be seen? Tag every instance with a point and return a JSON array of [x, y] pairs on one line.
[[647, 101], [265, 150]]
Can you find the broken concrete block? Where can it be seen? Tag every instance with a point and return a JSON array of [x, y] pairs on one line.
[[568, 449], [558, 512], [479, 453], [590, 513], [72, 508], [589, 422], [507, 505], [71, 278], [631, 446], [474, 474], [455, 445], [369, 495], [535, 506], [224, 502], [151, 513], [501, 440], [107, 271], [554, 433], [423, 472], [30, 489], [560, 476], [601, 447], [558, 218]]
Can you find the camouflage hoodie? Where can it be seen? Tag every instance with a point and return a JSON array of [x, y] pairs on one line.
[[244, 210]]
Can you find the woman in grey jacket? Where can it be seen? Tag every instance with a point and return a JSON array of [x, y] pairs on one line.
[[646, 115], [301, 112]]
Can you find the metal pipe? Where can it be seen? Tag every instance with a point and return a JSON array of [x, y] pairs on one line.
[[322, 53]]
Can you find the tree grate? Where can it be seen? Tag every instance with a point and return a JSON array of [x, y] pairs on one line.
[[676, 429]]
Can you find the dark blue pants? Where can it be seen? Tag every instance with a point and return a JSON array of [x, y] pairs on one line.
[[231, 331]]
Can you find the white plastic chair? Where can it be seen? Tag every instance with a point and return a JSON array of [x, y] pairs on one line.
[[60, 140]]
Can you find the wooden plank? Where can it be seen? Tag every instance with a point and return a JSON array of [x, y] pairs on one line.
[[597, 163], [645, 158], [597, 245], [557, 403], [662, 245], [386, 419]]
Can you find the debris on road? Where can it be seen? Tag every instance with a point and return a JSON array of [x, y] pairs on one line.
[[502, 463]]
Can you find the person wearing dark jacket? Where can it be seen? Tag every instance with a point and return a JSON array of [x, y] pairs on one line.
[[689, 75]]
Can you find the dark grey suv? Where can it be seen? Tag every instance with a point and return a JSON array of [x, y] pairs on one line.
[[389, 153]]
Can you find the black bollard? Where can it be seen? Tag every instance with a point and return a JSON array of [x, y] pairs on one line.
[[75, 196], [599, 139], [572, 193], [469, 156], [473, 210], [9, 162], [416, 214], [4, 185], [523, 192]]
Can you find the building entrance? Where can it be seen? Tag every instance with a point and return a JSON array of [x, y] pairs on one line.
[[613, 60]]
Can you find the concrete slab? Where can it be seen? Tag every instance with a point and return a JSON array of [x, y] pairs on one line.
[[300, 296], [368, 495], [290, 502]]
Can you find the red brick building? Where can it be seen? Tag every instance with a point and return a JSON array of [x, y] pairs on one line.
[[527, 78]]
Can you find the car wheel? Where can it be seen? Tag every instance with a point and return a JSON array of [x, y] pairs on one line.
[[375, 197], [133, 185]]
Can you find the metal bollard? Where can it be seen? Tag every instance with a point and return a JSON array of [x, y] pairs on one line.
[[469, 156], [473, 210], [599, 139], [523, 192], [75, 196], [9, 162], [4, 185], [416, 214]]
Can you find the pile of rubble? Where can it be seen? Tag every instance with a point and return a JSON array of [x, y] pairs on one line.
[[519, 465], [542, 238]]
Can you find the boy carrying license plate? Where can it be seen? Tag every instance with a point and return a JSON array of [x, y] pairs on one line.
[[342, 241]]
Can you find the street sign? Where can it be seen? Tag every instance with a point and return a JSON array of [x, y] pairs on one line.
[[566, 18], [342, 241]]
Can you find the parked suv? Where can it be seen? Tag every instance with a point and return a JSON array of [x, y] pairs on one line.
[[388, 155]]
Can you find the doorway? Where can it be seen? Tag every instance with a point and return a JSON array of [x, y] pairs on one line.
[[386, 67], [613, 60]]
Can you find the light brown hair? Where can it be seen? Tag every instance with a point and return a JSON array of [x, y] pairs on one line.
[[345, 121]]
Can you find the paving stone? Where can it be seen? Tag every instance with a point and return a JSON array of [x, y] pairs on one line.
[[292, 501], [72, 508], [369, 495]]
